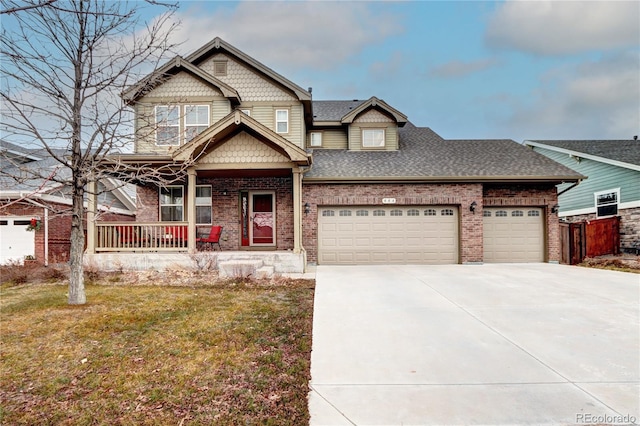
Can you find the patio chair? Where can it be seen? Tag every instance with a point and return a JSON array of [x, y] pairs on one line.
[[212, 239]]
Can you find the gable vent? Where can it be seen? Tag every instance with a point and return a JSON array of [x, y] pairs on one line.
[[219, 68]]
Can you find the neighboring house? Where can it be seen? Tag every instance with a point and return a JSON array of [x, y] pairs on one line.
[[35, 216], [612, 187], [329, 182]]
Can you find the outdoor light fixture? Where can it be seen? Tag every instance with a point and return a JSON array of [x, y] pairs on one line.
[[307, 208], [225, 192], [555, 209], [472, 207]]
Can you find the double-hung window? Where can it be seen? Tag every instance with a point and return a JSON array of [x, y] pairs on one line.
[[168, 125], [373, 138], [196, 120], [282, 121], [203, 205], [607, 202], [315, 139], [171, 204]]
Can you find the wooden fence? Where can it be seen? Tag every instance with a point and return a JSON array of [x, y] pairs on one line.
[[589, 238]]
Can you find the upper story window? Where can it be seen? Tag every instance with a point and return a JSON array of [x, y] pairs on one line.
[[607, 202], [245, 111], [282, 121], [373, 138], [171, 204], [168, 125], [196, 120], [315, 139]]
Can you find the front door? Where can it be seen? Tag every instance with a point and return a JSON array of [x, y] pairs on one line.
[[258, 219]]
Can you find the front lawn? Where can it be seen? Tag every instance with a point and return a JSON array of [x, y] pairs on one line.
[[197, 354]]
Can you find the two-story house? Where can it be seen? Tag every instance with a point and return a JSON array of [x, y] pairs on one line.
[[328, 182]]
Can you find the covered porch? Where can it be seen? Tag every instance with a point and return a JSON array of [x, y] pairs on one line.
[[239, 176]]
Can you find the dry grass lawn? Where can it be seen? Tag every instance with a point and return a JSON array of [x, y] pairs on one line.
[[200, 353]]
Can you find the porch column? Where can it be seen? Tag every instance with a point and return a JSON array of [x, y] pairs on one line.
[[191, 210], [297, 211], [92, 207]]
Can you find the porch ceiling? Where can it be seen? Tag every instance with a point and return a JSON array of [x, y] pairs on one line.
[[243, 173]]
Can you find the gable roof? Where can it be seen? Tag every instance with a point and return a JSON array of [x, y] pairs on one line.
[[173, 67], [376, 103], [230, 125], [424, 156], [218, 45], [622, 153]]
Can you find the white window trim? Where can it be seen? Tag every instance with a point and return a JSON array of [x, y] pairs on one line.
[[155, 110], [376, 129], [282, 121], [209, 204], [160, 205], [314, 145], [187, 126], [617, 203]]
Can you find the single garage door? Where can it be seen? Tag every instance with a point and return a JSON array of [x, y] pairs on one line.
[[15, 241], [389, 234], [514, 234]]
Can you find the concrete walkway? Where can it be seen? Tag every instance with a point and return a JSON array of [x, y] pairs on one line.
[[485, 344]]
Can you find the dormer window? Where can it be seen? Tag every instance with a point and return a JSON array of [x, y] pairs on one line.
[[373, 138]]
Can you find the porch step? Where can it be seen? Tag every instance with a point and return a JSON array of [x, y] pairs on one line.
[[264, 272], [239, 268]]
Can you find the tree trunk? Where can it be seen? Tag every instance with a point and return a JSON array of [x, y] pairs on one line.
[[77, 294]]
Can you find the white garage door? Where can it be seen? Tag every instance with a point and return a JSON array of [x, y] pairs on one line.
[[389, 234], [513, 234], [15, 241]]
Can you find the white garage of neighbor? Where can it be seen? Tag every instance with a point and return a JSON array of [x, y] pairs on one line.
[[388, 234], [15, 241], [513, 234]]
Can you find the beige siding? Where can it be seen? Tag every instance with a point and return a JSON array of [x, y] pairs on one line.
[[219, 110], [250, 85], [243, 148], [390, 133], [265, 113], [373, 116], [331, 139], [180, 86]]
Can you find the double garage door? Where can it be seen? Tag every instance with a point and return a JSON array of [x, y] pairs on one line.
[[390, 234], [424, 235]]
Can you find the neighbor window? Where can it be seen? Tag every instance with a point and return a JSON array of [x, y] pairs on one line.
[[316, 139], [203, 205], [373, 138], [282, 121], [168, 125], [171, 204], [196, 120], [607, 202]]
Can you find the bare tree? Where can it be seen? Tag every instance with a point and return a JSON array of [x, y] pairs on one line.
[[64, 66]]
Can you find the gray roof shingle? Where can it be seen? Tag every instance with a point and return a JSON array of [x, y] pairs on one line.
[[626, 151], [333, 110], [425, 155]]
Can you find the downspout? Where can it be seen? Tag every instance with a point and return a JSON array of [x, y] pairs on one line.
[[572, 186], [303, 170]]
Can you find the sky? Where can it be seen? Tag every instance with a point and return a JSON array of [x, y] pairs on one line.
[[517, 70]]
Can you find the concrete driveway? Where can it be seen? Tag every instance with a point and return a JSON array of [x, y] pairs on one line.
[[475, 344]]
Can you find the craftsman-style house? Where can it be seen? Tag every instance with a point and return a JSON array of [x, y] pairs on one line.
[[293, 180]]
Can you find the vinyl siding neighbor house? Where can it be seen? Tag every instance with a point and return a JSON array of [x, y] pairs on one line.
[[612, 187], [294, 180]]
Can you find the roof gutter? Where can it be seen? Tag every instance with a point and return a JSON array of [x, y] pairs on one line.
[[572, 186]]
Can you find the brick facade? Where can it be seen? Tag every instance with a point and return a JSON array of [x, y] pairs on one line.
[[405, 194], [226, 208], [461, 195]]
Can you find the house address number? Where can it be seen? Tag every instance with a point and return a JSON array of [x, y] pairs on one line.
[[388, 201]]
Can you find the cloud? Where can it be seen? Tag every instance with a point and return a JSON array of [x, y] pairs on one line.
[[564, 27], [322, 35], [596, 99], [456, 68]]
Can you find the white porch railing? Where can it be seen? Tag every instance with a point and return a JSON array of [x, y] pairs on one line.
[[141, 236]]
